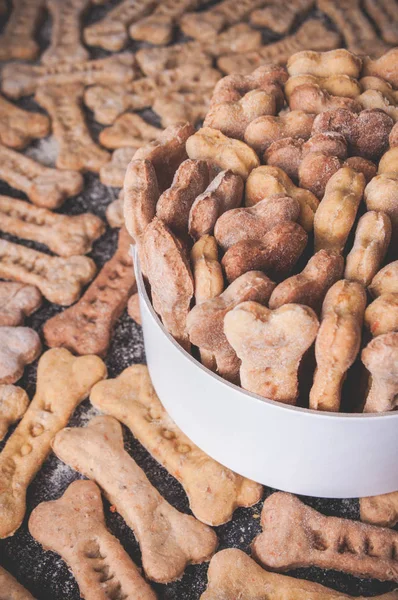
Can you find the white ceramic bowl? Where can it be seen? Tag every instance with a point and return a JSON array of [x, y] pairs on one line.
[[292, 449]]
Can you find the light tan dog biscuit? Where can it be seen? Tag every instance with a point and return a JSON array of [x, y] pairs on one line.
[[381, 194], [65, 43], [18, 127], [17, 40], [128, 130], [270, 345], [13, 404], [381, 316], [60, 280], [336, 85], [337, 211], [383, 12], [77, 149], [169, 540], [205, 322], [384, 67], [64, 235], [325, 64], [63, 381], [385, 281], [158, 28], [112, 173], [45, 187], [87, 326], [311, 98], [296, 535], [140, 196], [380, 357], [114, 212], [17, 301], [178, 107], [376, 99], [11, 587], [214, 491], [19, 346], [370, 82], [280, 16], [262, 132], [133, 308], [74, 527], [380, 510], [337, 343], [169, 274], [372, 238]]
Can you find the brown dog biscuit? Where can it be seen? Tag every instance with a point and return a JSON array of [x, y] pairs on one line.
[[337, 211], [325, 64], [310, 286], [384, 67], [110, 32], [77, 150], [223, 194], [275, 254], [370, 82], [140, 196], [128, 130], [380, 510], [311, 35], [64, 235], [252, 223], [23, 79], [17, 301], [270, 345], [381, 194], [234, 87], [112, 173], [18, 127], [60, 280], [214, 491], [87, 326], [385, 281], [376, 99], [285, 154], [380, 357], [114, 212], [336, 84], [63, 381], [169, 540], [311, 98], [362, 165], [372, 238], [337, 343], [383, 12], [44, 186], [169, 274], [205, 322], [19, 346], [74, 527], [267, 181], [13, 589], [381, 316], [17, 40], [13, 404], [133, 308], [280, 16], [262, 132], [158, 28], [296, 535], [65, 43]]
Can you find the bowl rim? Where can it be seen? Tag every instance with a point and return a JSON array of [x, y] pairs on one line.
[[309, 412]]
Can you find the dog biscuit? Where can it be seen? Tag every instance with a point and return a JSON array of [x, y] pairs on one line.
[[263, 131], [13, 404], [18, 127], [311, 98], [280, 17], [17, 40], [385, 281], [114, 212], [380, 357], [384, 67], [325, 64], [140, 196], [175, 108], [13, 589], [17, 301], [65, 43], [112, 173], [158, 27], [371, 82], [376, 99], [335, 85], [381, 316], [381, 194], [128, 130], [380, 510], [19, 346]]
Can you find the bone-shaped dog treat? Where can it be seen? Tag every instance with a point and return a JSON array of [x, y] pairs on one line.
[[270, 345], [325, 64], [262, 132], [381, 194], [380, 510], [336, 85], [232, 574], [23, 79], [177, 108], [17, 301], [74, 527], [174, 205], [234, 87], [254, 222], [358, 32], [13, 404], [380, 357], [311, 35], [167, 152], [63, 381], [384, 67], [64, 235], [372, 238], [205, 322], [44, 186], [366, 133], [385, 281], [65, 32], [337, 211], [267, 181], [111, 32], [214, 491], [19, 346], [112, 173], [222, 195], [140, 195], [286, 154], [337, 343], [158, 28], [114, 212], [17, 40], [381, 316], [280, 17], [86, 327], [60, 280], [18, 127], [362, 165], [226, 153], [11, 587], [384, 14], [310, 286], [169, 540], [376, 99], [275, 253], [375, 83], [77, 149], [133, 308], [296, 535], [169, 274], [128, 130], [311, 98]]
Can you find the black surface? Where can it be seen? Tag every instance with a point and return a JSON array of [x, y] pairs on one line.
[[44, 573]]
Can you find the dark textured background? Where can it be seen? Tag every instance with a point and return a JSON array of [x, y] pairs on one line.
[[44, 573]]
